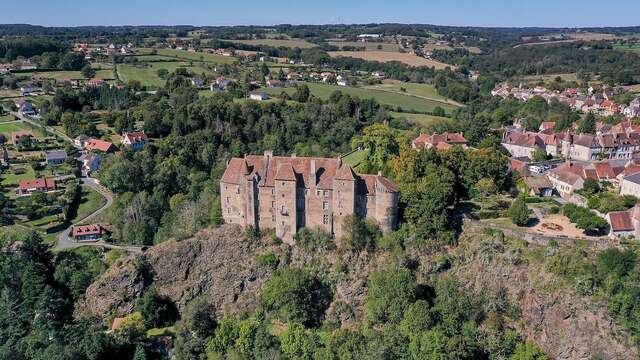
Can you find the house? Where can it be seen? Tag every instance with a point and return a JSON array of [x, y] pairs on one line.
[[378, 74], [547, 125], [56, 157], [197, 82], [293, 75], [135, 140], [21, 136], [567, 178], [100, 145], [87, 232], [622, 223], [81, 141], [288, 193], [221, 83], [630, 185], [259, 96], [25, 108], [5, 68], [29, 90], [274, 83], [343, 81], [27, 187], [522, 144], [89, 163], [538, 185], [28, 66], [95, 83], [440, 141]]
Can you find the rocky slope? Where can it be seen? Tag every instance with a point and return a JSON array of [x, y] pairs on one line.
[[223, 264]]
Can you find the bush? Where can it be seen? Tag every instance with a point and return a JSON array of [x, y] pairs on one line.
[[269, 259], [519, 212], [585, 219], [389, 293]]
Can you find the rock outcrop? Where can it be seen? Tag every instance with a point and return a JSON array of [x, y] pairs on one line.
[[220, 263]]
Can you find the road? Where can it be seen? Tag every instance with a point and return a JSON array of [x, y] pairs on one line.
[[64, 239], [29, 120]]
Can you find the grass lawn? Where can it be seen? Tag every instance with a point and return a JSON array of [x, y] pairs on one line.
[[148, 75], [628, 47], [10, 179], [292, 43], [43, 221], [100, 74], [421, 119], [420, 90], [355, 158], [91, 201], [161, 331], [8, 128], [198, 56], [395, 100]]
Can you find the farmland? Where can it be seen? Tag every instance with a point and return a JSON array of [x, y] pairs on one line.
[[369, 46], [8, 127], [186, 55], [147, 74], [425, 91], [395, 100], [635, 47], [291, 43], [58, 75], [386, 56]]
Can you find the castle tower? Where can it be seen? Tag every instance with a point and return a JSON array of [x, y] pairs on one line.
[[344, 197], [249, 190], [285, 192], [386, 204]]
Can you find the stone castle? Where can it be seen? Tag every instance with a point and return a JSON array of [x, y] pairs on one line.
[[288, 193]]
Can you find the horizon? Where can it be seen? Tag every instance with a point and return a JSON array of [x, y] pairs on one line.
[[201, 13]]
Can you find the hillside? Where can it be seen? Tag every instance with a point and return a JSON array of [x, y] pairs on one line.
[[503, 272]]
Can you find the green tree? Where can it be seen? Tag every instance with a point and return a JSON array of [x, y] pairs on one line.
[[539, 155], [519, 212], [588, 124], [298, 343], [157, 310], [380, 143], [88, 72], [389, 294], [528, 351], [295, 295]]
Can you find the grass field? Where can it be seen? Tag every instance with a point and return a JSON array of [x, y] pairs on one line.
[[628, 47], [6, 117], [421, 119], [355, 158], [10, 179], [148, 75], [8, 128], [420, 90], [369, 46], [186, 55], [550, 77], [100, 74], [292, 43], [406, 102], [91, 201], [386, 56]]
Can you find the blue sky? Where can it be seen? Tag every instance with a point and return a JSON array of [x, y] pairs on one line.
[[550, 13]]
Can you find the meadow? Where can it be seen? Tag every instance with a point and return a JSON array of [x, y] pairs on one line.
[[425, 91], [395, 100], [58, 75], [147, 73], [386, 56], [292, 43], [422, 120], [196, 56]]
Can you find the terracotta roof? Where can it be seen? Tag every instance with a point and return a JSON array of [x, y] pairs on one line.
[[604, 171], [547, 125], [135, 137], [435, 139], [101, 145], [527, 139], [621, 221], [41, 183], [86, 230], [585, 140], [268, 169]]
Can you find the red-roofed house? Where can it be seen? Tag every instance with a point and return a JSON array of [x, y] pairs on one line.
[[621, 223], [100, 145], [135, 140], [87, 232], [440, 141], [27, 187], [287, 193]]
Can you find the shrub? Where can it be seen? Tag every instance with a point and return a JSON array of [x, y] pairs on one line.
[[519, 212], [585, 219]]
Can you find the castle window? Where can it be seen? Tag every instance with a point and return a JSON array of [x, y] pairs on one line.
[[228, 200], [325, 194], [273, 191], [238, 190], [283, 183], [325, 219], [325, 205], [273, 218], [273, 204], [318, 192]]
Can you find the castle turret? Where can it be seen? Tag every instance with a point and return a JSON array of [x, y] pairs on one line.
[[285, 192], [344, 197], [386, 204]]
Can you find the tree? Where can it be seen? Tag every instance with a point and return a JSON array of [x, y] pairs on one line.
[[359, 234], [295, 295], [302, 93], [519, 212], [389, 294], [140, 353], [588, 124], [438, 111], [591, 186], [157, 310], [380, 143], [528, 351], [539, 155], [88, 72], [298, 343]]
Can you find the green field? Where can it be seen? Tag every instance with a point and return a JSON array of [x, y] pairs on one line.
[[293, 43], [355, 158], [90, 202], [147, 74], [10, 179], [420, 90], [421, 119], [198, 56], [8, 128], [628, 47], [395, 100], [100, 74]]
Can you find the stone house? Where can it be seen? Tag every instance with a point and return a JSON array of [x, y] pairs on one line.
[[288, 193], [630, 185]]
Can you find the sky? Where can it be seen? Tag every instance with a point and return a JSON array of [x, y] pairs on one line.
[[502, 13]]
